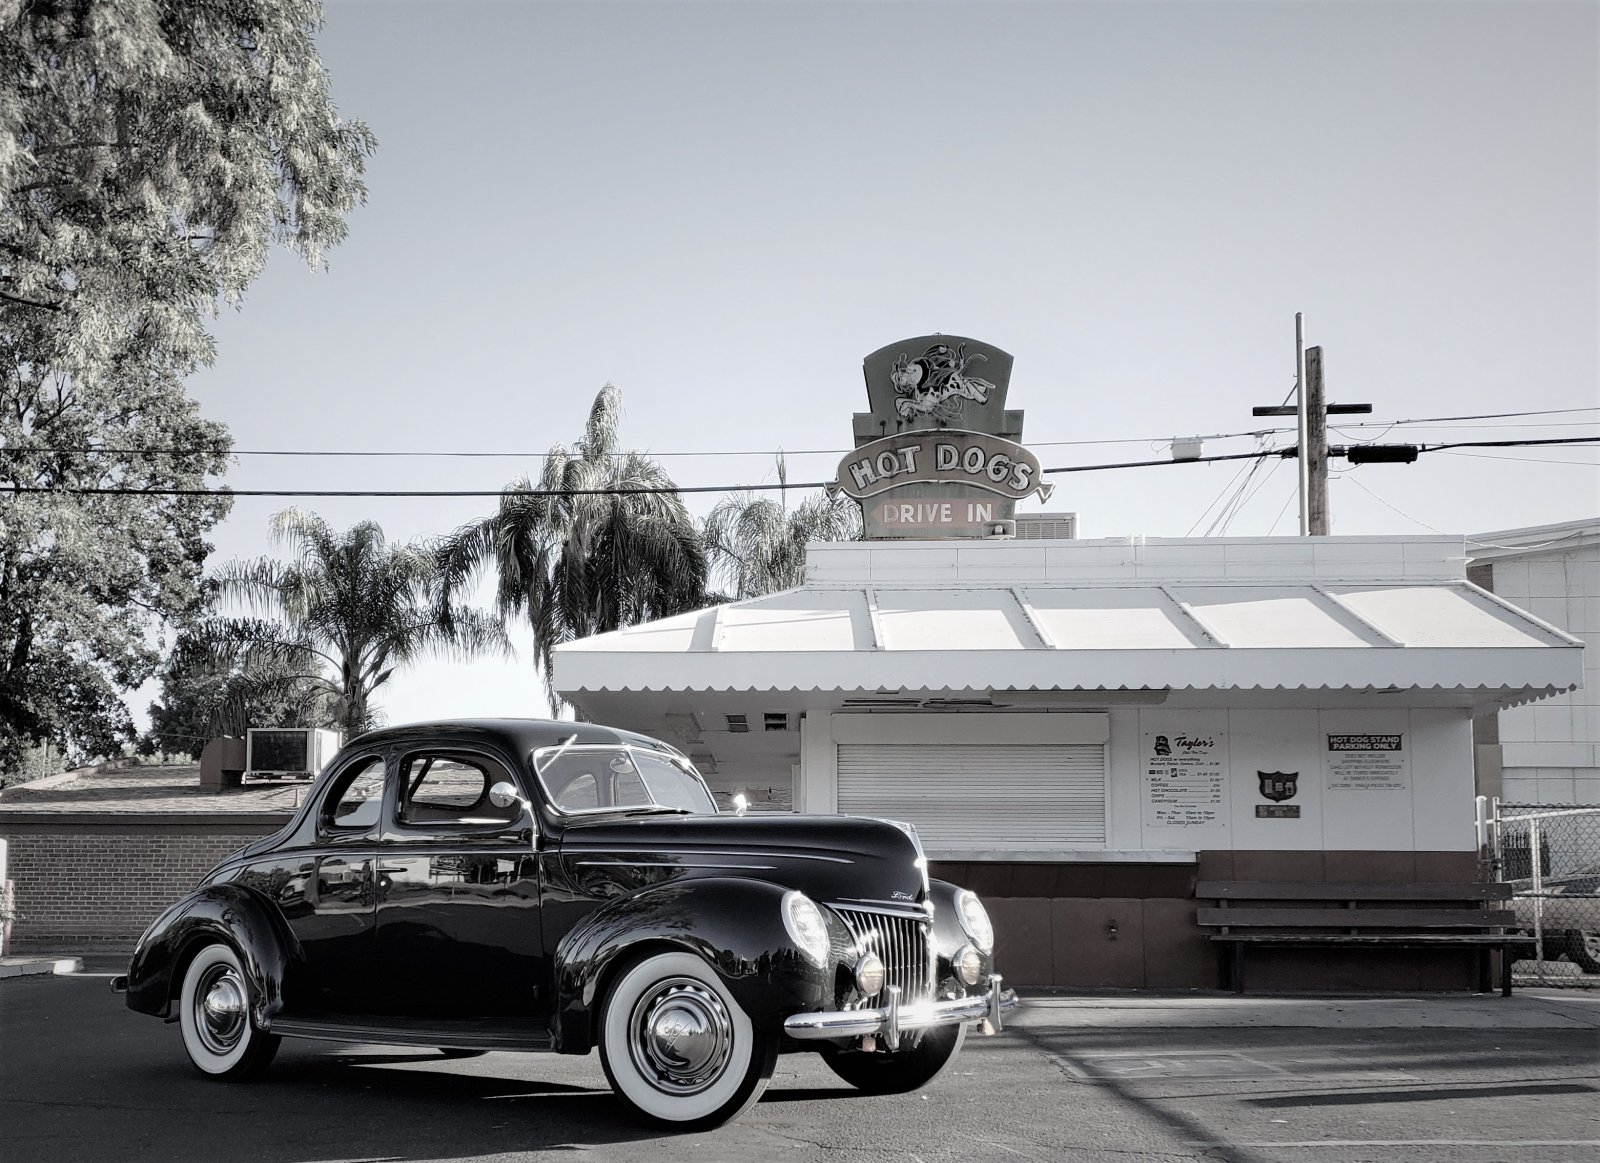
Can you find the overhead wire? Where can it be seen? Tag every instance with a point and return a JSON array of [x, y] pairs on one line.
[[1387, 505], [1259, 454], [481, 454], [1243, 469]]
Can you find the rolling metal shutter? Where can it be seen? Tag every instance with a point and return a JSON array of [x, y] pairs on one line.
[[961, 796]]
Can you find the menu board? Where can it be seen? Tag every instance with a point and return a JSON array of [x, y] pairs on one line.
[[1374, 763], [1185, 785]]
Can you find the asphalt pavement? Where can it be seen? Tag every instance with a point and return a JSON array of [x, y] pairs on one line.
[[1106, 1077]]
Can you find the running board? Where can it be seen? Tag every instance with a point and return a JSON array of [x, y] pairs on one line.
[[511, 1034]]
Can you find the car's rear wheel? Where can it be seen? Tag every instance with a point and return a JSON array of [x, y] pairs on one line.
[[214, 1015], [903, 1071], [676, 1046]]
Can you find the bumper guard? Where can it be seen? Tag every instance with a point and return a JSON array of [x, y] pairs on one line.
[[894, 1019]]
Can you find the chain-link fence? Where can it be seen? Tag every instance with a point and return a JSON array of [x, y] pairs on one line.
[[1550, 856]]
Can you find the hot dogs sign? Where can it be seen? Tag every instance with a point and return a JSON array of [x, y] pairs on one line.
[[937, 456]]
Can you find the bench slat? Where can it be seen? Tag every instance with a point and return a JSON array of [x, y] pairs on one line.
[[1482, 939], [1358, 918], [1276, 890]]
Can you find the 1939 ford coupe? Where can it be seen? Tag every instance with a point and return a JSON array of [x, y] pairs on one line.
[[539, 886]]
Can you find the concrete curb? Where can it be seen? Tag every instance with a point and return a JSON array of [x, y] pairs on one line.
[[30, 966]]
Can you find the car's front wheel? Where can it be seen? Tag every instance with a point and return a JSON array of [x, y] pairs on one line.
[[903, 1071], [214, 1015], [677, 1047]]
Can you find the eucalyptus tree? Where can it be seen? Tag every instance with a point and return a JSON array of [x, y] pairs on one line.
[[359, 606], [601, 541], [757, 546], [151, 154]]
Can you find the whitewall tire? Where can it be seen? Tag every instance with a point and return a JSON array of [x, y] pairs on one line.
[[214, 1015], [677, 1048]]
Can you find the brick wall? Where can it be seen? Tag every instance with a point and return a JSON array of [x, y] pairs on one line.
[[86, 881]]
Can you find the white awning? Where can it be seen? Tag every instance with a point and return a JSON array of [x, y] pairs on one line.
[[1069, 616]]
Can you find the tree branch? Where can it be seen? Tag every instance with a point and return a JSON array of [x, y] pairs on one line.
[[30, 302]]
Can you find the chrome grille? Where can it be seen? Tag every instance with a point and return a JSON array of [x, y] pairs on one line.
[[901, 943]]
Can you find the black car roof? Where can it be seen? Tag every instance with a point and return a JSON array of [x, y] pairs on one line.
[[518, 735]]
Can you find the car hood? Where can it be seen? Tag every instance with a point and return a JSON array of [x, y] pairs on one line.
[[838, 859]]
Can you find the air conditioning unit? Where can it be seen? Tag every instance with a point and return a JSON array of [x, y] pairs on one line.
[[1047, 527], [288, 752]]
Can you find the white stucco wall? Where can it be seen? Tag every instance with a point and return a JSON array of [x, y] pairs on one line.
[[1551, 749], [1420, 800]]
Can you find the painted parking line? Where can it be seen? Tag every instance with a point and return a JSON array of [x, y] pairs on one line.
[[1208, 1064], [1341, 1144], [1177, 1064]]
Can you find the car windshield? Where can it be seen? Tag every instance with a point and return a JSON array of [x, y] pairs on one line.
[[608, 779]]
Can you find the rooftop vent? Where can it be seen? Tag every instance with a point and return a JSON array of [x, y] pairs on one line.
[[775, 721], [738, 725]]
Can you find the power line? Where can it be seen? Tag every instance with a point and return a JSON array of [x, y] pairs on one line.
[[520, 454], [1392, 508], [1511, 443], [111, 490], [1525, 459], [1259, 454]]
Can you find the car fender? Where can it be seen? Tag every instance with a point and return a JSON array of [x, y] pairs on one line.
[[949, 936], [735, 926], [217, 913]]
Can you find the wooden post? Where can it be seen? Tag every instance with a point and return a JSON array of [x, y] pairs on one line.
[[1316, 446]]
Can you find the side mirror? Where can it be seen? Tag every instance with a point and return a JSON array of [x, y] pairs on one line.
[[505, 793], [741, 804]]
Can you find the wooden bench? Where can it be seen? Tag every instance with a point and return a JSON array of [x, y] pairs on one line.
[[1425, 916]]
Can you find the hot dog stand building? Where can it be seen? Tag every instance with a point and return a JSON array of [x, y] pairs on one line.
[[1083, 729]]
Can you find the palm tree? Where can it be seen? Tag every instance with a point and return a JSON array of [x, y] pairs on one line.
[[225, 675], [360, 605], [757, 546], [603, 541]]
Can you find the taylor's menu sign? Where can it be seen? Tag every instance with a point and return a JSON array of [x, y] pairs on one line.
[[937, 456], [1185, 785], [1372, 763]]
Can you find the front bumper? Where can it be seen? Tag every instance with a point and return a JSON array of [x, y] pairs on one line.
[[895, 1019]]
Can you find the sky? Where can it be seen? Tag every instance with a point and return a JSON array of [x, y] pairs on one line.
[[721, 208]]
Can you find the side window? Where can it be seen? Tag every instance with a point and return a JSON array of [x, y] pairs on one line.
[[451, 788], [581, 794], [356, 797]]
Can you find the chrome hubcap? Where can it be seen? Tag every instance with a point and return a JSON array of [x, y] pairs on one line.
[[219, 1009], [680, 1036]]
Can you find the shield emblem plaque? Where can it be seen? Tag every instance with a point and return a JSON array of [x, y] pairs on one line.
[[1278, 786]]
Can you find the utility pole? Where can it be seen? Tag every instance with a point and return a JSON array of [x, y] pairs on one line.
[[1314, 464], [1311, 414]]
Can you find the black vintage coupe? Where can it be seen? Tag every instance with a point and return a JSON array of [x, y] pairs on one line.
[[526, 885]]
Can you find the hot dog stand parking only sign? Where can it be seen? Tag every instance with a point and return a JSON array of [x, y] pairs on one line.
[[1375, 763], [937, 456]]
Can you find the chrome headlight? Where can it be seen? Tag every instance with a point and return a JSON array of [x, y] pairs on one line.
[[803, 920], [968, 964], [975, 920], [870, 974]]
